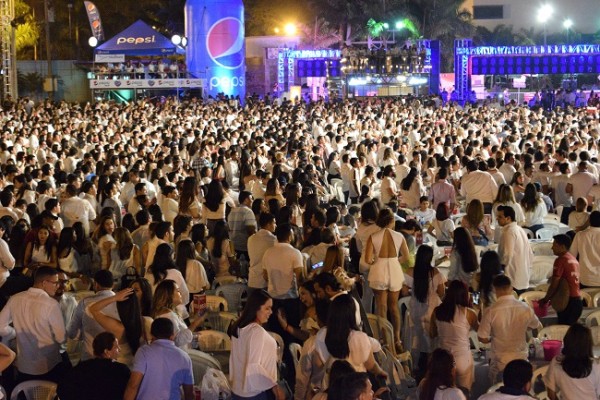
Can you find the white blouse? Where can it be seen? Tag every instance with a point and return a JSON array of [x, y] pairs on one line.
[[253, 361]]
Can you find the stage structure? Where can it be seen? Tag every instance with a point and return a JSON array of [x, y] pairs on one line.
[[318, 66], [516, 60], [411, 69]]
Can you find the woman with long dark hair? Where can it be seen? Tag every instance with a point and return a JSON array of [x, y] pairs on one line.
[[143, 291], [67, 261], [214, 205], [411, 189], [189, 202], [342, 340], [574, 374], [490, 268], [129, 329], [427, 284], [463, 258], [190, 268], [534, 209], [439, 380], [253, 360], [42, 250], [452, 321], [124, 254], [221, 250], [273, 191], [164, 267], [103, 237]]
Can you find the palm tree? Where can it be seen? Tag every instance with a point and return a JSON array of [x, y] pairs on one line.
[[444, 20], [320, 35], [504, 35], [27, 31]]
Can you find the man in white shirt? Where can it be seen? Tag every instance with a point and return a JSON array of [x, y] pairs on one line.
[[257, 246], [389, 190], [514, 249], [516, 382], [505, 325], [242, 224], [38, 327], [585, 245], [7, 261], [581, 182], [169, 204], [83, 326], [507, 169], [479, 185], [75, 209], [283, 267]]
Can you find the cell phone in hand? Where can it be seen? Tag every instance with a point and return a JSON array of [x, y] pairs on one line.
[[317, 265]]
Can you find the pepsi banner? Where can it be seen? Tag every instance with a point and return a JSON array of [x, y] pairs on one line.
[[216, 49], [95, 21]]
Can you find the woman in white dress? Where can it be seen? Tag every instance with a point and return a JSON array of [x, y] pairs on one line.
[[67, 260], [412, 189], [451, 322], [103, 237], [439, 381], [253, 359], [342, 340], [427, 290], [167, 297], [385, 251], [124, 254], [575, 374], [191, 268]]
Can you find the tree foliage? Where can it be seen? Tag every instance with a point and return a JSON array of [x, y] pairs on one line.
[[27, 31]]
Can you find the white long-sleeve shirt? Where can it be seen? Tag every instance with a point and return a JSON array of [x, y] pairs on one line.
[[585, 245], [39, 328], [516, 255]]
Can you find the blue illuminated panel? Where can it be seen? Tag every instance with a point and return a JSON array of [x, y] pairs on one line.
[[550, 64]]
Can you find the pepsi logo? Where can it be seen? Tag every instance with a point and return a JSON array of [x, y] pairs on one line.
[[225, 43], [117, 83], [151, 83]]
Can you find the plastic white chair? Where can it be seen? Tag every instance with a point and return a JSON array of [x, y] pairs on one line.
[[295, 349], [35, 390], [559, 210], [587, 299], [545, 233], [223, 280], [382, 331], [280, 345], [216, 303], [495, 387], [596, 300], [591, 292], [593, 319], [529, 297], [542, 287], [211, 340], [529, 233], [219, 321], [200, 363], [236, 295], [595, 334], [82, 294], [553, 332], [537, 380], [541, 269]]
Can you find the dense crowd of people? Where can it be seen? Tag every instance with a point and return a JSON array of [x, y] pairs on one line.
[[326, 211]]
